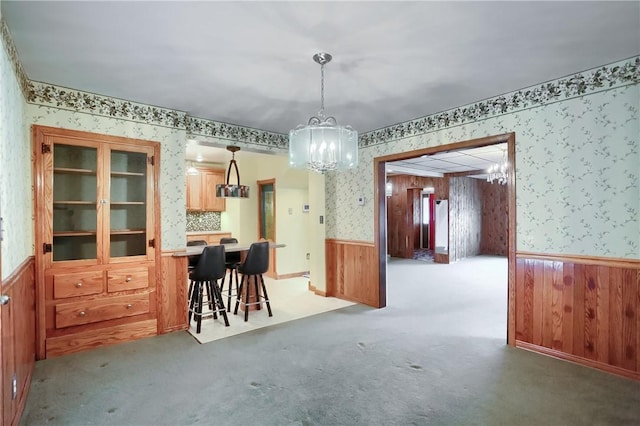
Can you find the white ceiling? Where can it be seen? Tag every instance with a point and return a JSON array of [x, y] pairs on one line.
[[436, 165], [249, 63]]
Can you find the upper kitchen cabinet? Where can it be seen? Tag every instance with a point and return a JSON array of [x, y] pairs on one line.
[[201, 191]]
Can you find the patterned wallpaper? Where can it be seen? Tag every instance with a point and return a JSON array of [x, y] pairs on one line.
[[577, 171], [16, 200]]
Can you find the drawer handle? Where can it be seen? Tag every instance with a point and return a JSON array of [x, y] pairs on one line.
[[82, 313], [78, 285], [129, 306], [128, 278]]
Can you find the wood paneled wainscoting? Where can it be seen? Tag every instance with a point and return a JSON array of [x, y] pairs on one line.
[[352, 272], [18, 340], [581, 309], [172, 294]]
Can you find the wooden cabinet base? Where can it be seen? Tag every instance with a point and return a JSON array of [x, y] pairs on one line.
[[62, 345]]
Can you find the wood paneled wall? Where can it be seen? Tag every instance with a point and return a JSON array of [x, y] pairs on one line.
[[172, 294], [352, 267], [18, 339], [465, 218], [401, 233], [495, 220], [583, 309]]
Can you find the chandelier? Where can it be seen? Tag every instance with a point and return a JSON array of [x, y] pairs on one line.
[[499, 172], [232, 191], [322, 145]]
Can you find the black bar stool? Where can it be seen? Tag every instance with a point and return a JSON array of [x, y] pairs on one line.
[[232, 261], [209, 269], [255, 264], [194, 259]]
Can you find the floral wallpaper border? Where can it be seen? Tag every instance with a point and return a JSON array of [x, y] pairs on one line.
[[12, 53], [204, 127], [75, 100], [616, 74]]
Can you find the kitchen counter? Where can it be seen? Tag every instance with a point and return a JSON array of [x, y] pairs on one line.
[[211, 237], [207, 232]]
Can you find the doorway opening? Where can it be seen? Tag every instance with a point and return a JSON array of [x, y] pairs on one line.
[[443, 244], [267, 219]]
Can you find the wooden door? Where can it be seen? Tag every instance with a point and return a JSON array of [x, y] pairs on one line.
[[414, 212], [267, 219]]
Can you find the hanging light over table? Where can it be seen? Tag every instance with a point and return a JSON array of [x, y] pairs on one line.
[[232, 191], [322, 144]]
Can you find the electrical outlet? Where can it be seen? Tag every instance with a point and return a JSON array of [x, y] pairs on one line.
[[308, 257]]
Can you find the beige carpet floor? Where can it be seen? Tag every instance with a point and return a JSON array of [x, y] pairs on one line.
[[436, 356], [290, 300]]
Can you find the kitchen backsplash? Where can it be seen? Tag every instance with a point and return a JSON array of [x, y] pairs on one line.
[[203, 221]]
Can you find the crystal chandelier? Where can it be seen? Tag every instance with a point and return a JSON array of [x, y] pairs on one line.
[[499, 172], [322, 145], [232, 191]]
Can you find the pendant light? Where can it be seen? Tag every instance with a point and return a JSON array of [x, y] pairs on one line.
[[232, 191], [322, 145], [192, 171]]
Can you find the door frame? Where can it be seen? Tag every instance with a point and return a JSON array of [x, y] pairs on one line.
[[272, 272], [380, 233]]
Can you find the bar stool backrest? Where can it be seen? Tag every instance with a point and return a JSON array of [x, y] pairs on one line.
[[193, 260], [211, 265], [233, 257], [257, 261]]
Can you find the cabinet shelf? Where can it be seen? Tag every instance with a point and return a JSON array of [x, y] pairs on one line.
[[74, 171], [127, 203], [127, 231], [84, 203], [73, 233], [127, 174]]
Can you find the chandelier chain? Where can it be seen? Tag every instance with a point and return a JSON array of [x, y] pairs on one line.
[[322, 91]]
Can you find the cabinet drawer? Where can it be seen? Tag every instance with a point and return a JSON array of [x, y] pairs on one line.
[[78, 313], [127, 279], [77, 284]]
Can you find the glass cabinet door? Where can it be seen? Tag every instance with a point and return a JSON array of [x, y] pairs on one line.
[[128, 204], [75, 198]]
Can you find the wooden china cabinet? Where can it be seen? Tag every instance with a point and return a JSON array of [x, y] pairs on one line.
[[97, 239]]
